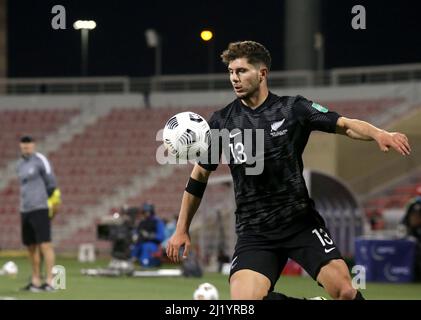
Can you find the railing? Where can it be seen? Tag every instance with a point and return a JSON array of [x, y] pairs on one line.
[[377, 74], [279, 79], [64, 85]]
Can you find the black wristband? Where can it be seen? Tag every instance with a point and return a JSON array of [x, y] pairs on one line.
[[50, 191], [195, 187]]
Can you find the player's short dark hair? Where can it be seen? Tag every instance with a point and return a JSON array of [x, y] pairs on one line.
[[254, 52]]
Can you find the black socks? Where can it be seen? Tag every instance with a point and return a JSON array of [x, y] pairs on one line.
[[278, 296], [281, 296], [359, 296]]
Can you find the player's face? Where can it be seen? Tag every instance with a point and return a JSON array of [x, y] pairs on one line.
[[245, 77], [27, 148]]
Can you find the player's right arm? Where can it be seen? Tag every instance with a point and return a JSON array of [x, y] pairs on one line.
[[189, 205], [317, 117]]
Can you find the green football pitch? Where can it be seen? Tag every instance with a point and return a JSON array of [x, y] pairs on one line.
[[79, 286]]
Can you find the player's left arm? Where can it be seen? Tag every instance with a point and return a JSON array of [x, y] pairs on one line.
[[362, 130], [53, 192]]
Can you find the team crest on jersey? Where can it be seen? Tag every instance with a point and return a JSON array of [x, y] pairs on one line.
[[320, 108], [274, 132], [276, 125]]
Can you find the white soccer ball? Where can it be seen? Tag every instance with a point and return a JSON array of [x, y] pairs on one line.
[[10, 268], [186, 135], [206, 291]]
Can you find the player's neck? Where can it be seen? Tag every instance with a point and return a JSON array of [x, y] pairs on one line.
[[27, 155], [257, 99]]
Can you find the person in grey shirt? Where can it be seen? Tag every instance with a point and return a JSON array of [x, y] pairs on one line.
[[37, 184]]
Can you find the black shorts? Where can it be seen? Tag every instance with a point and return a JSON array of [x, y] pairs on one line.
[[36, 227], [311, 247]]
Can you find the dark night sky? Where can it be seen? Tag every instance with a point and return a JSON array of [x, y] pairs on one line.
[[118, 47]]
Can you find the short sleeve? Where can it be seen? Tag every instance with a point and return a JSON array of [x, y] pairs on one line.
[[46, 172], [315, 116], [210, 160]]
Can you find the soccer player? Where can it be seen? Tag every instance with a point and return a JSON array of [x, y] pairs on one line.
[[275, 217], [37, 184]]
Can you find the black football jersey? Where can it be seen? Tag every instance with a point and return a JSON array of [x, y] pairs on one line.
[[264, 148]]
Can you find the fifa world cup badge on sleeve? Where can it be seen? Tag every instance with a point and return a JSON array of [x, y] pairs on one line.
[[320, 108]]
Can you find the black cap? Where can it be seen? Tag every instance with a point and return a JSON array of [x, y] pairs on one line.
[[26, 139]]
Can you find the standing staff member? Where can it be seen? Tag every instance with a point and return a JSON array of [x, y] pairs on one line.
[[37, 184]]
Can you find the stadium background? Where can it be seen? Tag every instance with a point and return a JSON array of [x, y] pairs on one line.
[[99, 130]]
